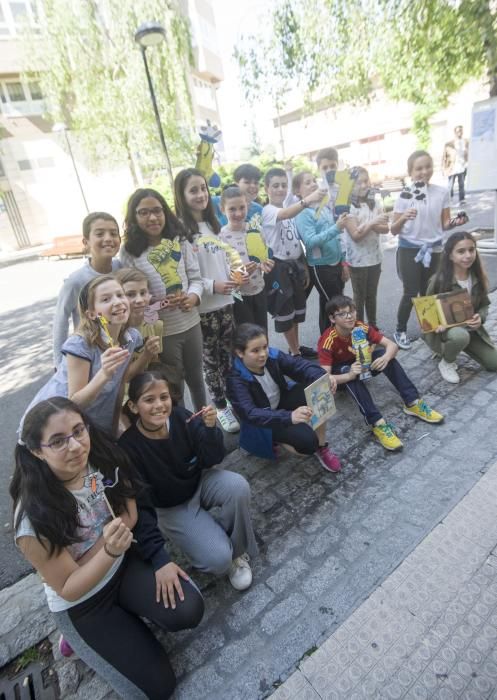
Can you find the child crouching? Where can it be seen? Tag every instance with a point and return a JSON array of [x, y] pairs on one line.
[[270, 411]]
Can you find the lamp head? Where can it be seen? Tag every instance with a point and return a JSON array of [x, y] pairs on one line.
[[149, 34]]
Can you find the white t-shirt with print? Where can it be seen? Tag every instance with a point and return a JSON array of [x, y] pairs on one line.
[[93, 514], [427, 226], [366, 251], [280, 235]]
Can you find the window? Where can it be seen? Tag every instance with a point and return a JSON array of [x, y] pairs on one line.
[[24, 165], [35, 90], [15, 92], [15, 15]]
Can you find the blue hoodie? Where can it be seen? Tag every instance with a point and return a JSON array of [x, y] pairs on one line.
[[251, 404], [320, 236]]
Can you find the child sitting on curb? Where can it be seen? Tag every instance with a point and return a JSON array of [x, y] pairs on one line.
[[337, 356]]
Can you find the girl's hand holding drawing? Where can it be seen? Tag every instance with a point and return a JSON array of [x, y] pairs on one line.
[[112, 359], [440, 329], [117, 537], [474, 323], [167, 584], [152, 346], [302, 414]]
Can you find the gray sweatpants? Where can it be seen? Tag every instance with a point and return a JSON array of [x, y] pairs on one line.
[[211, 543], [182, 360]]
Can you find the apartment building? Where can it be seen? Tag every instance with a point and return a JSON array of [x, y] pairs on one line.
[[378, 135], [45, 187]]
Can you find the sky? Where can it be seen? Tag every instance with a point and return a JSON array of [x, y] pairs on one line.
[[233, 19]]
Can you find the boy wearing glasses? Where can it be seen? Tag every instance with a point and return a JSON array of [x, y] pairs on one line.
[[337, 356]]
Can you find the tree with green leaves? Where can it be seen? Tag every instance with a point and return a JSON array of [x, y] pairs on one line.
[[422, 51], [92, 75]]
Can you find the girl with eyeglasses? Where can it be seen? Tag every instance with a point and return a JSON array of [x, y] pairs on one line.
[[156, 242], [98, 358], [97, 586]]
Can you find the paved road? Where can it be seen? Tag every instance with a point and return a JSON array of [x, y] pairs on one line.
[[27, 297]]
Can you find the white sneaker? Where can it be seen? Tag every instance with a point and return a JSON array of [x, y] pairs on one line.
[[227, 420], [402, 340], [448, 370], [240, 573]]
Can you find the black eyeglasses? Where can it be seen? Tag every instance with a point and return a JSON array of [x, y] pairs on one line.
[[145, 213], [345, 314]]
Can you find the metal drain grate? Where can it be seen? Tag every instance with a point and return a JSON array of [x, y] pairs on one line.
[[34, 683]]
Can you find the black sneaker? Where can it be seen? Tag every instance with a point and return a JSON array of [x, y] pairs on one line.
[[308, 353]]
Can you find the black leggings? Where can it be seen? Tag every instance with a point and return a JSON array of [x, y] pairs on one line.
[[414, 277], [300, 436], [328, 281], [107, 633]]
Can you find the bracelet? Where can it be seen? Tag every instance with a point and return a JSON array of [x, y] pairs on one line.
[[114, 556], [303, 204]]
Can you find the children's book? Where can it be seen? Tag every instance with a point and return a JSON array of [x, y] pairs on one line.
[[319, 397], [447, 309]]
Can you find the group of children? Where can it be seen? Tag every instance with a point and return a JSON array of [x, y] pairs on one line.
[[109, 462]]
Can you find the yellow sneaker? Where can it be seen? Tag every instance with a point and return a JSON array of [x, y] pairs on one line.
[[421, 410], [386, 437]]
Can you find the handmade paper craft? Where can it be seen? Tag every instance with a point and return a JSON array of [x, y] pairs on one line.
[[95, 482], [104, 324], [362, 349], [319, 397], [447, 309]]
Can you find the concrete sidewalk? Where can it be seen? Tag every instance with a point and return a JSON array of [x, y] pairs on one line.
[[327, 543], [430, 629]]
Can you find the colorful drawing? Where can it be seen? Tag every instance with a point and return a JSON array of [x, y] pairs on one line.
[[165, 259], [362, 349], [320, 398], [257, 249], [448, 309]]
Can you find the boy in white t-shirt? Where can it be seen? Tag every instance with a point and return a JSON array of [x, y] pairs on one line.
[[285, 284]]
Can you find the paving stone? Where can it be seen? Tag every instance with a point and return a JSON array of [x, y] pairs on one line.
[[252, 603], [284, 612]]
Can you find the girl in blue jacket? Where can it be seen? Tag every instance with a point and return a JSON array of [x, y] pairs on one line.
[[320, 234], [270, 410]]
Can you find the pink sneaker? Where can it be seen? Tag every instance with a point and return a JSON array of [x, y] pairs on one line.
[[65, 648], [328, 459]]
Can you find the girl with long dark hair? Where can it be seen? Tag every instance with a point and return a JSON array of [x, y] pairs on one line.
[[96, 586], [461, 268], [157, 243], [217, 261]]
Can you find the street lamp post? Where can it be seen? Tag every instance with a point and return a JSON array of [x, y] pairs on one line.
[[152, 34], [62, 128]]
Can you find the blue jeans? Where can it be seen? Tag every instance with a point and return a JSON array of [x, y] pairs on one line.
[[360, 393]]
